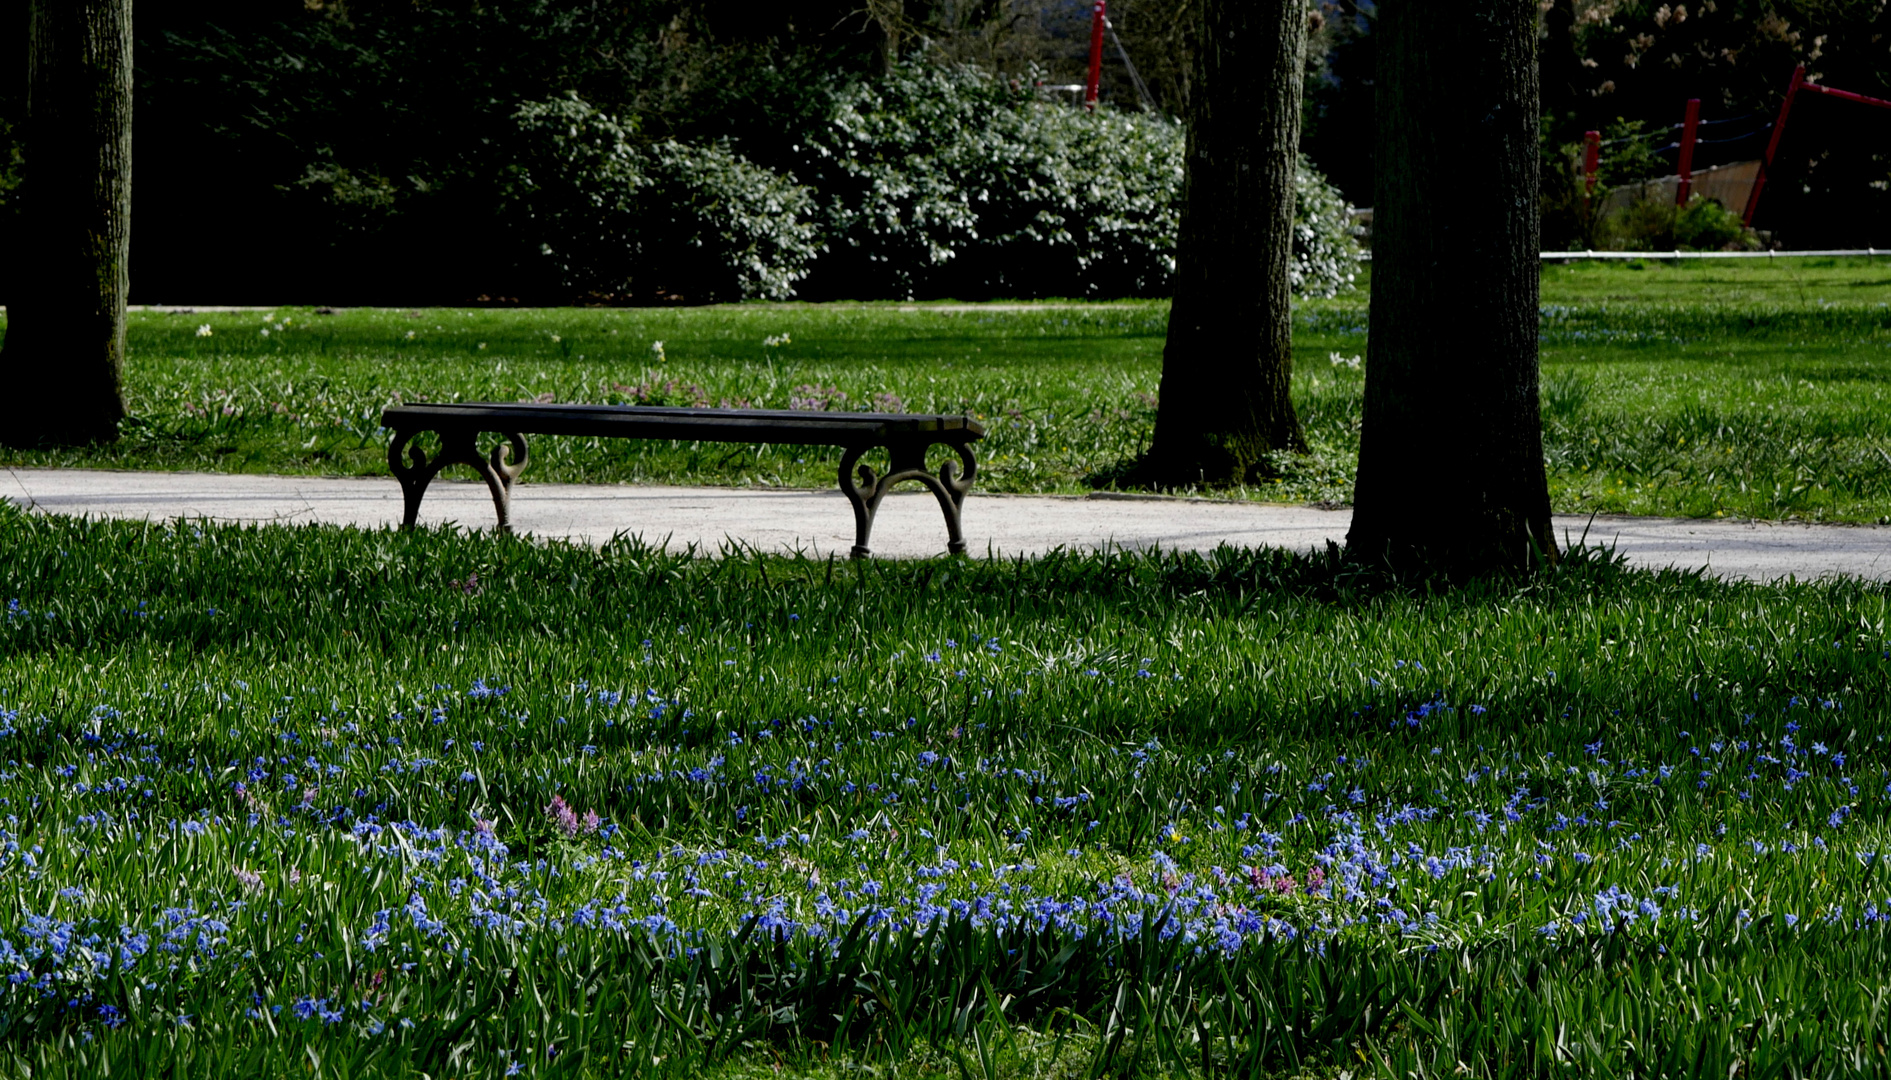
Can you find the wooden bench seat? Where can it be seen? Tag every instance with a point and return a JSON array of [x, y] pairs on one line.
[[905, 436]]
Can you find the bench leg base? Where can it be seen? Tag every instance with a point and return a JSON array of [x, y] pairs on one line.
[[499, 469], [948, 485]]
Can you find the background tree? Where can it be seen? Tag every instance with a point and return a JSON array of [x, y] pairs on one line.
[[1451, 472], [65, 342], [1227, 367], [12, 112]]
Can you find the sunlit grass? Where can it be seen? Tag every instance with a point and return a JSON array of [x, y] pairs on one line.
[[1736, 388]]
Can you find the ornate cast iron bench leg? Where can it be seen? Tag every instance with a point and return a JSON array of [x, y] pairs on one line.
[[499, 469], [908, 463]]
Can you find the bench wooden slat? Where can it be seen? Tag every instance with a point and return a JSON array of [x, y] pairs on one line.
[[786, 426]]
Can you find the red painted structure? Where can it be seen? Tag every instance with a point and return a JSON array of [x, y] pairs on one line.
[[1096, 55], [1798, 84], [1772, 144], [1685, 167]]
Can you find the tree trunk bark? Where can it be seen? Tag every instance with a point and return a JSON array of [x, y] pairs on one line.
[[1451, 474], [890, 16], [65, 343], [1227, 367]]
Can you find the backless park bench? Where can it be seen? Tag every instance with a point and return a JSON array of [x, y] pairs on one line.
[[906, 437]]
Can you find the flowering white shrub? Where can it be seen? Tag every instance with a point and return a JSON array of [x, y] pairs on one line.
[[1326, 251], [953, 182], [930, 182], [614, 218]]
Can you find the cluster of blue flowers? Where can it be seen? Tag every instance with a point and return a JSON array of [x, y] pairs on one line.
[[1252, 850]]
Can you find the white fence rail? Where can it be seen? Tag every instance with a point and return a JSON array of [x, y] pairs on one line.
[[1711, 254], [1559, 255]]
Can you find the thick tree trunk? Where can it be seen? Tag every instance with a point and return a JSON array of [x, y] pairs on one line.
[[1227, 368], [65, 343], [1451, 470]]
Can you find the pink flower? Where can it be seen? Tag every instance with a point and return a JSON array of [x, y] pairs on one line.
[[1316, 880], [1260, 881], [563, 816]]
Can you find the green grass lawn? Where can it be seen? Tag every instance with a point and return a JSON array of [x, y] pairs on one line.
[[1742, 388], [320, 802], [1706, 388]]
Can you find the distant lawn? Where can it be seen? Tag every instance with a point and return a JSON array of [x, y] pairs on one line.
[[1740, 387], [1748, 388]]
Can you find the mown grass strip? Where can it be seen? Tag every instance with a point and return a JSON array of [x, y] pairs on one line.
[[1685, 389]]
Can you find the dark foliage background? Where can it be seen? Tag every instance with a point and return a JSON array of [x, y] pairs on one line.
[[346, 151], [350, 151], [1610, 62], [1604, 59]]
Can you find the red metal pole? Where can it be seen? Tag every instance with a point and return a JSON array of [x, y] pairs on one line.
[[1815, 88], [1772, 144], [1096, 55], [1685, 167], [1591, 156]]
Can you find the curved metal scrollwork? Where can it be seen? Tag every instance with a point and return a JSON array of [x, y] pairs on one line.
[[499, 468], [948, 485]]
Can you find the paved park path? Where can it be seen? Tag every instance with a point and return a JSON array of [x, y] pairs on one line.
[[908, 525]]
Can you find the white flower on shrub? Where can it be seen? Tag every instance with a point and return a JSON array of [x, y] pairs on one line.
[[617, 217], [950, 181]]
